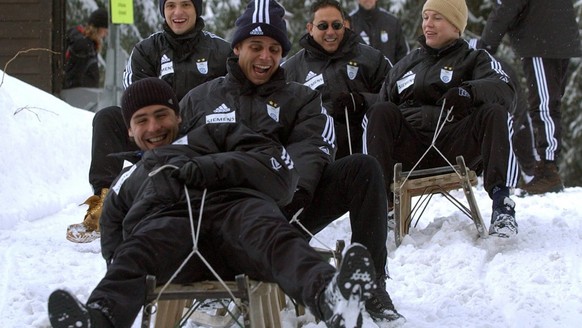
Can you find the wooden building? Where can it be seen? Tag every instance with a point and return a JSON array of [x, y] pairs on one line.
[[29, 24]]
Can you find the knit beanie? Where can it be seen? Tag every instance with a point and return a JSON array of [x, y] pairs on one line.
[[99, 18], [197, 6], [262, 18], [146, 92], [455, 11]]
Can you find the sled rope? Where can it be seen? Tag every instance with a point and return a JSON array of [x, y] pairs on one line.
[[437, 132], [195, 237], [295, 219]]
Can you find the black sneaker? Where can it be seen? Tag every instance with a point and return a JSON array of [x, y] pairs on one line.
[[342, 302], [503, 222], [380, 306], [65, 311]]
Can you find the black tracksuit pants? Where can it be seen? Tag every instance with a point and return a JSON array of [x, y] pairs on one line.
[[546, 80], [109, 136], [355, 184], [241, 235], [482, 138]]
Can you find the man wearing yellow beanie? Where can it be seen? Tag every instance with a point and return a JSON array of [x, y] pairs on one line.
[[444, 73]]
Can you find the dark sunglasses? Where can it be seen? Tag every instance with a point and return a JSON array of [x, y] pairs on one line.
[[324, 26]]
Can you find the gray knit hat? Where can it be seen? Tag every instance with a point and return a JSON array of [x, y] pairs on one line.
[[146, 92]]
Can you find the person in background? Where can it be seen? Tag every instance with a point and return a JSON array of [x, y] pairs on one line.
[[348, 73], [83, 44], [235, 179], [184, 55], [545, 35], [379, 29], [445, 82], [256, 93]]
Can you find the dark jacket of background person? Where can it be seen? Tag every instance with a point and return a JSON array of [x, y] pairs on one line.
[[381, 30], [536, 28], [81, 64]]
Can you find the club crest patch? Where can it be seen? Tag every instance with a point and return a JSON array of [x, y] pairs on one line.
[[446, 74], [384, 36], [202, 65], [352, 68], [273, 110]]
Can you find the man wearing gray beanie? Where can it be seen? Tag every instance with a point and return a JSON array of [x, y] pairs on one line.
[[457, 99]]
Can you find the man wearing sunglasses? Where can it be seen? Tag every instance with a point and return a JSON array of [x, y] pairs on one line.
[[345, 71], [333, 61]]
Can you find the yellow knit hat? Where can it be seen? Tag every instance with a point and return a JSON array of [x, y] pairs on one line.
[[455, 11]]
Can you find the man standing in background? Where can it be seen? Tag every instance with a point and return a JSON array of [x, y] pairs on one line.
[[379, 29], [545, 35]]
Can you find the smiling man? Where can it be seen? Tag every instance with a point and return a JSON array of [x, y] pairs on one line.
[[184, 55], [346, 72]]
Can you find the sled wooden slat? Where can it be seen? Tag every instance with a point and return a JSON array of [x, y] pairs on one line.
[[425, 183]]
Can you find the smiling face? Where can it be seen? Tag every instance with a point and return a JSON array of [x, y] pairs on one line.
[[180, 15], [259, 58], [154, 126], [329, 38], [437, 30]]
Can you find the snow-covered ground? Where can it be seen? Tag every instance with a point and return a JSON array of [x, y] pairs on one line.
[[443, 275]]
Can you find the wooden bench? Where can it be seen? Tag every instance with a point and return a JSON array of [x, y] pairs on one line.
[[425, 183]]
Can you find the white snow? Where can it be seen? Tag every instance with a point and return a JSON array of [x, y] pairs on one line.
[[443, 275]]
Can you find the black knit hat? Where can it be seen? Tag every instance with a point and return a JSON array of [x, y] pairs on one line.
[[262, 18], [99, 18], [146, 92], [197, 6]]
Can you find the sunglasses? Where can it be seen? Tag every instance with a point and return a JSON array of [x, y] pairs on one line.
[[324, 26]]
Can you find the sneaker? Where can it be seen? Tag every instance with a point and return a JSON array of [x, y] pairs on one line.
[[65, 311], [342, 302], [88, 230], [503, 222], [546, 179], [380, 306]]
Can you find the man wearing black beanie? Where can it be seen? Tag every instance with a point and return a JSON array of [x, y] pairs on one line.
[[241, 177], [184, 55]]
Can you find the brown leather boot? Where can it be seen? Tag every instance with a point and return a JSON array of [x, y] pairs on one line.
[[546, 179], [88, 230]]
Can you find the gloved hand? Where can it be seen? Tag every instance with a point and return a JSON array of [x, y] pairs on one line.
[[459, 99], [190, 174], [355, 103], [300, 200]]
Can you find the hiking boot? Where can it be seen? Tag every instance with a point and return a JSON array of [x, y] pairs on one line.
[[380, 306], [503, 222], [65, 311], [88, 230], [341, 303], [546, 179]]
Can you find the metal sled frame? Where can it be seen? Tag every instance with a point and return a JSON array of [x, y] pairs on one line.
[[425, 183]]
